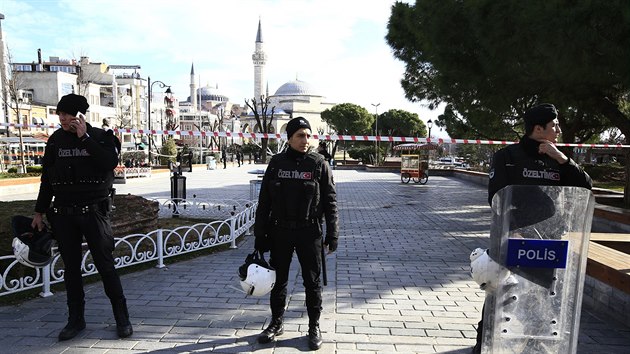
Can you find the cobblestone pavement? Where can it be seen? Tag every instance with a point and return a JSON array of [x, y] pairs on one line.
[[399, 282]]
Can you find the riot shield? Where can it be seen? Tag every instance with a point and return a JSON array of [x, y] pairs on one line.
[[539, 237]]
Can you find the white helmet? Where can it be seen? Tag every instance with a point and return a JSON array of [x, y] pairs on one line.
[[257, 276], [484, 270], [31, 247]]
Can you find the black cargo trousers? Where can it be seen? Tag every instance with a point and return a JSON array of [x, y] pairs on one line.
[[70, 225], [306, 241]]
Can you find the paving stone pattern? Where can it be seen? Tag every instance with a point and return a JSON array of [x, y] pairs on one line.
[[399, 283]]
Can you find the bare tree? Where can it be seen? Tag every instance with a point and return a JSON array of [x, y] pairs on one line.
[[217, 126], [15, 88], [86, 77], [263, 120]]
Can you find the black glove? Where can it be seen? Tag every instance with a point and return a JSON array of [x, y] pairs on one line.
[[262, 244], [331, 243]]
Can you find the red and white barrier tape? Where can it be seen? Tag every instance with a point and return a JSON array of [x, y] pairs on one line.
[[331, 137]]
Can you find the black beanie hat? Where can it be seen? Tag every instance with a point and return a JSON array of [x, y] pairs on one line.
[[295, 124], [72, 104], [539, 115]]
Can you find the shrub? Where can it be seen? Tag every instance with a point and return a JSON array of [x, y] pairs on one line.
[[138, 156], [365, 153], [170, 149], [34, 169], [605, 172]]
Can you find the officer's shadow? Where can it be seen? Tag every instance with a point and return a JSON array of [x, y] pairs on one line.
[[238, 345]]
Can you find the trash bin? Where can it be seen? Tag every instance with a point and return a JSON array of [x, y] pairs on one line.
[[254, 188], [178, 191], [211, 163]]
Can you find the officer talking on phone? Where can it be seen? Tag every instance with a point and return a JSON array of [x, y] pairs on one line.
[[77, 178]]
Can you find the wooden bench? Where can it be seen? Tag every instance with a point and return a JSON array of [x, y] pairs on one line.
[[610, 265]]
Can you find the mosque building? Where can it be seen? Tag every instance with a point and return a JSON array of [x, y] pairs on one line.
[[292, 99], [206, 105]]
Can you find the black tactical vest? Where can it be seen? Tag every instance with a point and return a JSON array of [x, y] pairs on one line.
[[294, 188]]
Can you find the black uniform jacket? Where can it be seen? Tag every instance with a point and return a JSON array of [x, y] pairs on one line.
[[522, 164], [77, 171], [297, 188]]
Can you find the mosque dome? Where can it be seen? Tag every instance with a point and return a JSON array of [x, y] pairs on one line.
[[209, 93], [296, 88]]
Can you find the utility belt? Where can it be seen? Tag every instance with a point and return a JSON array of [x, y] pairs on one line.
[[103, 206], [289, 224]]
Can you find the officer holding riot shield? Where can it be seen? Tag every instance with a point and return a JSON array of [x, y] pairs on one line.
[[535, 160], [78, 173], [297, 192]]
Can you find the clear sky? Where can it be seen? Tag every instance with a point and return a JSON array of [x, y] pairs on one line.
[[337, 46]]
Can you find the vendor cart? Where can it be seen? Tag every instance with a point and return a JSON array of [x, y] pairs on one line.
[[414, 162]]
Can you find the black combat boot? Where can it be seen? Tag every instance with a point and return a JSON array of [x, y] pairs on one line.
[[76, 321], [276, 328], [314, 333], [121, 315], [314, 336]]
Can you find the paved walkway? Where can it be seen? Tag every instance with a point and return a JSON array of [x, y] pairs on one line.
[[399, 282]]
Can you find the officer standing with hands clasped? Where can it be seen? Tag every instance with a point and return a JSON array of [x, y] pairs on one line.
[[297, 192], [535, 160], [78, 172]]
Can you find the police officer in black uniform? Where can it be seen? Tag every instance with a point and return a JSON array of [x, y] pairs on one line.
[[535, 160], [297, 192], [78, 173]]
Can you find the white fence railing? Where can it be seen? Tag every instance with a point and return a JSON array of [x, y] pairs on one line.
[[224, 208], [142, 248], [128, 172]]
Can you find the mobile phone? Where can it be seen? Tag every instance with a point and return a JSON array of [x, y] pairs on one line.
[[80, 116]]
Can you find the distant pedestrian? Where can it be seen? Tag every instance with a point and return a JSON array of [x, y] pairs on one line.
[[321, 149]]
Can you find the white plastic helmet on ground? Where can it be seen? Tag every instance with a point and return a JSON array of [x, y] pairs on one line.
[[257, 276]]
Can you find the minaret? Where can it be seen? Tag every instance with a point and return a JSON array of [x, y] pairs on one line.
[[193, 89], [259, 58]]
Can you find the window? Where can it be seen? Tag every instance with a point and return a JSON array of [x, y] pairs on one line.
[[20, 67], [65, 69], [66, 88], [27, 96]]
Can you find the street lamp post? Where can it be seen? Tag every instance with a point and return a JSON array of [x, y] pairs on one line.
[[376, 131], [150, 85], [429, 125], [3, 77]]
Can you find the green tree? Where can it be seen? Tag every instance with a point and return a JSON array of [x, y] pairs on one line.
[[168, 151], [396, 122], [348, 119], [503, 56], [491, 60]]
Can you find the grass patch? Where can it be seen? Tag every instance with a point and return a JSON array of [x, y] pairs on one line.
[[612, 185], [6, 175]]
